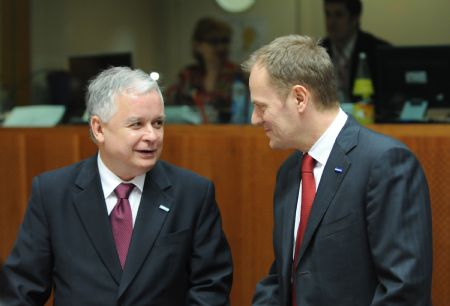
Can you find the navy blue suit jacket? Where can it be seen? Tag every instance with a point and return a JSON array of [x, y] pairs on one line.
[[176, 257], [368, 238]]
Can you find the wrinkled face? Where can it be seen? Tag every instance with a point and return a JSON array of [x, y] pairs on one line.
[[278, 116], [131, 142], [340, 25]]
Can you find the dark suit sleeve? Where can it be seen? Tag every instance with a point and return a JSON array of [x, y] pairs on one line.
[[399, 229], [28, 268], [211, 263], [267, 290]]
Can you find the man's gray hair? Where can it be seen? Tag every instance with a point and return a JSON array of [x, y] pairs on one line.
[[106, 86]]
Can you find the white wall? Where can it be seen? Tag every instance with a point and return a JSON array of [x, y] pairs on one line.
[[402, 22], [409, 22], [61, 28]]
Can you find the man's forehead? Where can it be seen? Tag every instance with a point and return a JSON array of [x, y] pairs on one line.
[[258, 73]]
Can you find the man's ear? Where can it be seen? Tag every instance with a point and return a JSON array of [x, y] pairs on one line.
[[301, 95], [97, 129]]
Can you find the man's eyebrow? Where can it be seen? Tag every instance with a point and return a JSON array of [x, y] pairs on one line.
[[132, 119], [136, 119], [162, 117], [258, 103]]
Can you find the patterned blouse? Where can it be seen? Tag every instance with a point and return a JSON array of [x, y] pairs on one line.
[[215, 106]]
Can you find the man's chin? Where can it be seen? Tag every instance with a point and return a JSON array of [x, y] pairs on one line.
[[144, 168], [145, 165], [276, 145], [273, 145]]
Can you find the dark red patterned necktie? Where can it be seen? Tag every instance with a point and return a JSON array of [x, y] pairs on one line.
[[122, 221]]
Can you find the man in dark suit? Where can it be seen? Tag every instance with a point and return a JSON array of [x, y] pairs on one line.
[[345, 41], [352, 220], [3, 284], [161, 243]]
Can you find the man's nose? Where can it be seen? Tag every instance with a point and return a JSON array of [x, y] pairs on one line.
[[150, 132], [256, 119]]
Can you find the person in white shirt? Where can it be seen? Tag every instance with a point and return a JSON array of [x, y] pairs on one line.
[[352, 224], [160, 242], [345, 40]]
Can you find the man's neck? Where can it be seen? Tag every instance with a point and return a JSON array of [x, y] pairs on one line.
[[343, 43], [318, 122]]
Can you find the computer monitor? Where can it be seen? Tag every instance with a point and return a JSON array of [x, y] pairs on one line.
[[84, 68], [413, 84]]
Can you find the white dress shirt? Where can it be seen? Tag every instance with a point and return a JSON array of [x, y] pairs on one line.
[[342, 59], [320, 151], [110, 181]]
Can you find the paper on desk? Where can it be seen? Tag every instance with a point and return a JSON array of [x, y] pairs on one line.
[[182, 114], [34, 116], [414, 111]]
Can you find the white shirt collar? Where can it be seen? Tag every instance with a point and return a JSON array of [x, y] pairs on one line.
[[110, 181], [321, 149], [347, 49]]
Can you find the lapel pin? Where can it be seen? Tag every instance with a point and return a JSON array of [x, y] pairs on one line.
[[338, 170], [166, 209]]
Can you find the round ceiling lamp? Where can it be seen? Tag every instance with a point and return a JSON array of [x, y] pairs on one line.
[[235, 6]]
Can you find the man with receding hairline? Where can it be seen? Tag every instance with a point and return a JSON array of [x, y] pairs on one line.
[[352, 219]]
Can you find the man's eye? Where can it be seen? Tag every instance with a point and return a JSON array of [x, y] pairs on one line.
[[260, 108], [135, 124], [158, 124]]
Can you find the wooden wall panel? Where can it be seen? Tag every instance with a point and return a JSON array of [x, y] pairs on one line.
[[243, 168], [12, 189], [437, 167]]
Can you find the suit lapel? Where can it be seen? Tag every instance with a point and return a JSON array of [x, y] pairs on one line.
[[91, 207], [289, 206], [334, 172], [149, 221]]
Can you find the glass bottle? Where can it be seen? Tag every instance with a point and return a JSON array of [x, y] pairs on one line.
[[239, 101], [363, 109]]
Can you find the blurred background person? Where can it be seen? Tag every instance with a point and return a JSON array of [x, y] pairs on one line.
[[208, 83], [345, 40]]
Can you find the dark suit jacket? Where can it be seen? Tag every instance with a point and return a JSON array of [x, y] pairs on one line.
[[365, 42], [368, 238], [176, 257], [4, 285]]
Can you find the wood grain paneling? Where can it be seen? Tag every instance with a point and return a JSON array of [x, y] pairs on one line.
[[243, 168]]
